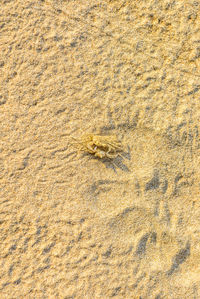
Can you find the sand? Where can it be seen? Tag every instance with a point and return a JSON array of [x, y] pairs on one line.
[[74, 226]]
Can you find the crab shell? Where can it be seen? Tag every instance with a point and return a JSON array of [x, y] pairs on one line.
[[101, 146]]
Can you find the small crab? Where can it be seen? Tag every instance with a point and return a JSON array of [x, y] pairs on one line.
[[101, 146]]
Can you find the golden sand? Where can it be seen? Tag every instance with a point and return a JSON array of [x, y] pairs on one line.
[[75, 226]]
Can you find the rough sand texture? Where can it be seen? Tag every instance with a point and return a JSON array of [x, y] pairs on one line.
[[73, 226]]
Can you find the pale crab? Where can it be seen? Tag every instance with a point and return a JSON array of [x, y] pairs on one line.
[[100, 146]]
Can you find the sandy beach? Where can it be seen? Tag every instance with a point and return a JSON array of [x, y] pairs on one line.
[[79, 226]]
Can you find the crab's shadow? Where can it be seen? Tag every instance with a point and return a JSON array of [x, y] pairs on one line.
[[118, 162]]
